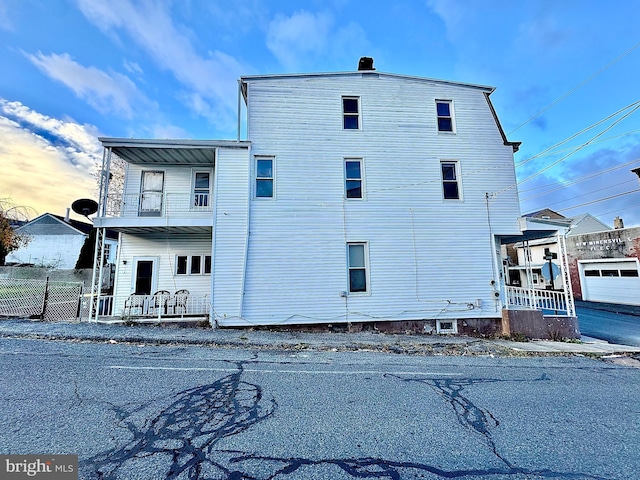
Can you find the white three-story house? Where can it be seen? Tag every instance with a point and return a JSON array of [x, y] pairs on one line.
[[357, 197]]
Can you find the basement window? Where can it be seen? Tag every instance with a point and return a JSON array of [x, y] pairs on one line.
[[446, 326]]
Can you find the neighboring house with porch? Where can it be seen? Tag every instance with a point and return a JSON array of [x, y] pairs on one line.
[[357, 198], [56, 241], [536, 263]]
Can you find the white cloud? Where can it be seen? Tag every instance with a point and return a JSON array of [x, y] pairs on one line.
[[151, 26], [290, 39], [105, 92], [47, 163], [299, 40]]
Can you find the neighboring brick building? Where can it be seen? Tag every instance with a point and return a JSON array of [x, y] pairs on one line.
[[605, 266]]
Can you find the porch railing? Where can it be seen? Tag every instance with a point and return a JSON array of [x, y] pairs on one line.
[[158, 204], [160, 307], [551, 302]]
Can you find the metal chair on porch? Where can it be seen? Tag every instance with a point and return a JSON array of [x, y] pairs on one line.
[[180, 299], [134, 304], [159, 302]]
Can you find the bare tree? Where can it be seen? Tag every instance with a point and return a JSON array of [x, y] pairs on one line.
[[12, 215]]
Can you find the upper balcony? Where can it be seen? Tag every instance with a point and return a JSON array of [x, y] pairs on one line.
[[168, 185], [149, 212]]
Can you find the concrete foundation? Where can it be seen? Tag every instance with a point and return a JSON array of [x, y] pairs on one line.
[[533, 324]]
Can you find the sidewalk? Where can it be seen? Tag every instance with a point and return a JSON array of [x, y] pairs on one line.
[[265, 339]]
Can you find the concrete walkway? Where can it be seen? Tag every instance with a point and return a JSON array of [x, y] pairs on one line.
[[288, 340]]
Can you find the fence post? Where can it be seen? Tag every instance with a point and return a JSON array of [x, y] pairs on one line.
[[46, 298]]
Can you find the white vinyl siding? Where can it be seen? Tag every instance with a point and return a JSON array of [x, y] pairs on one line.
[[299, 244]]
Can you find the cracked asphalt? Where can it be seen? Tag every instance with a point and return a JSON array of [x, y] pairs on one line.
[[134, 410]]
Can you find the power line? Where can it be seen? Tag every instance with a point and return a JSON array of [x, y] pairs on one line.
[[547, 153], [599, 200], [593, 125], [577, 87], [577, 149], [574, 181], [591, 192]]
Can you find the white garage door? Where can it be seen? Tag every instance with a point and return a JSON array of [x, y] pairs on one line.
[[611, 282]]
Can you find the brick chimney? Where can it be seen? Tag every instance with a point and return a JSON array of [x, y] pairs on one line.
[[618, 223]]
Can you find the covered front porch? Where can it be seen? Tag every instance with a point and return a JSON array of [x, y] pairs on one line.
[[531, 309]]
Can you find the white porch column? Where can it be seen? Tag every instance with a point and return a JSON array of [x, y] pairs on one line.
[[566, 278]]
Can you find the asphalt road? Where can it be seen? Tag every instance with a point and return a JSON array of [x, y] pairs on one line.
[[162, 412], [612, 327]]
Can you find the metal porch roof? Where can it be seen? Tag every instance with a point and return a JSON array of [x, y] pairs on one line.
[[174, 152]]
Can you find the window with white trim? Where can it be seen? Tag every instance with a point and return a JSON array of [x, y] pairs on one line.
[[265, 177], [444, 112], [450, 180], [357, 266], [351, 113], [193, 264], [201, 189], [353, 178]]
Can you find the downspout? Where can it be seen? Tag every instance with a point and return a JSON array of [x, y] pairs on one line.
[[247, 232], [214, 231], [239, 106]]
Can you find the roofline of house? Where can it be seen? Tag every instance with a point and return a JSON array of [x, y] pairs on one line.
[[60, 219], [247, 78], [171, 143]]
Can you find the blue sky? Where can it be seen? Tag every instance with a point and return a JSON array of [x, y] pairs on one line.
[[73, 70]]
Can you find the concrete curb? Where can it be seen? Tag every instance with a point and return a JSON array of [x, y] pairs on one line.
[[272, 340]]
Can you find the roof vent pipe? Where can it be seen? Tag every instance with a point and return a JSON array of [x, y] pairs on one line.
[[365, 63]]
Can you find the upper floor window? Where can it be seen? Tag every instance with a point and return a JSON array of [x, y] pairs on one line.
[[450, 180], [264, 177], [201, 189], [351, 113], [353, 178], [444, 109], [151, 190]]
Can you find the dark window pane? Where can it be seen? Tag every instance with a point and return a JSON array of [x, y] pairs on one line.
[[181, 268], [445, 125], [196, 263], [609, 273], [353, 170], [264, 169], [207, 264], [264, 188], [357, 280], [443, 109], [628, 273], [354, 189], [448, 171], [592, 273], [201, 200], [451, 190], [202, 181], [351, 122], [350, 105]]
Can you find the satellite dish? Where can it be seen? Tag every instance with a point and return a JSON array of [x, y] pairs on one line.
[[85, 206]]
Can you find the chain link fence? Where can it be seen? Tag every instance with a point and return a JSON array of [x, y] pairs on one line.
[[41, 299]]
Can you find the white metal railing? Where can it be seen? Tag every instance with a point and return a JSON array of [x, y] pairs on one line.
[[158, 204], [551, 302], [159, 306]]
